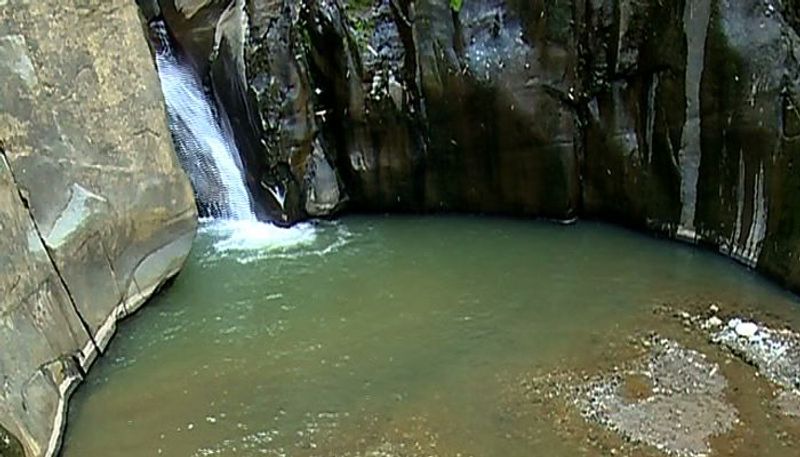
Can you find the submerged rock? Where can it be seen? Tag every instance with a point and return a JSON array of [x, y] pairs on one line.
[[673, 400], [788, 401], [776, 353]]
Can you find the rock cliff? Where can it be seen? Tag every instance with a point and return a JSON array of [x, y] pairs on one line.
[[95, 212], [678, 117]]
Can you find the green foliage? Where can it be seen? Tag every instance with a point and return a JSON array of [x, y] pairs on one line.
[[456, 5], [360, 17], [360, 5], [558, 16]]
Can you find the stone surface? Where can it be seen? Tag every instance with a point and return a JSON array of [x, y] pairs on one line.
[[745, 329], [95, 211], [680, 408], [713, 322], [788, 402], [775, 353]]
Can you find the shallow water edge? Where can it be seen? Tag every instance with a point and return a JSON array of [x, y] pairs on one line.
[[324, 342]]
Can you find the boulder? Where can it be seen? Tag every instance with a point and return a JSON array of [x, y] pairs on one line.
[[96, 213]]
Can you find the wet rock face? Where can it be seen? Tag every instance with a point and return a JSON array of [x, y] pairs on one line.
[[277, 67], [94, 209], [687, 124], [433, 110], [678, 117], [634, 107]]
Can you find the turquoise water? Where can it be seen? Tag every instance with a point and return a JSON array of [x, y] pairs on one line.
[[382, 336]]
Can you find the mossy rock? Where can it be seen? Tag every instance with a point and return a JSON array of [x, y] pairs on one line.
[[360, 15], [360, 5]]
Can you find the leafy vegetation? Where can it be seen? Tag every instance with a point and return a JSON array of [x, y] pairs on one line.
[[360, 16], [456, 5], [360, 5]]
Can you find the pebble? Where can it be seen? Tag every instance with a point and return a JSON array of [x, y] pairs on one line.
[[714, 322], [746, 329]]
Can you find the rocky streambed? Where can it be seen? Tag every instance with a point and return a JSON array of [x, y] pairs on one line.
[[711, 382]]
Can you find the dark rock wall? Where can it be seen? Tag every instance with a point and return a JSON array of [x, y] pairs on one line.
[[675, 116], [432, 110], [633, 107], [689, 124]]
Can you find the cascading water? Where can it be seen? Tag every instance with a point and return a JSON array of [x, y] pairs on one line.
[[206, 150], [209, 155]]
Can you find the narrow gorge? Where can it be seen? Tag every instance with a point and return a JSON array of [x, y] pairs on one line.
[[259, 146], [675, 118]]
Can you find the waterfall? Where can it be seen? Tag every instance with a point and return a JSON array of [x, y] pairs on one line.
[[204, 146], [208, 153]]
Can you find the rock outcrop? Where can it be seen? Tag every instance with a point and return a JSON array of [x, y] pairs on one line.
[[676, 117], [689, 125], [94, 209]]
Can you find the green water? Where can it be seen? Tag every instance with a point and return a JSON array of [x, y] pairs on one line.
[[383, 336]]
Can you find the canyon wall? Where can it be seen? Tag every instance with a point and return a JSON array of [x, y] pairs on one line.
[[95, 212], [678, 117]]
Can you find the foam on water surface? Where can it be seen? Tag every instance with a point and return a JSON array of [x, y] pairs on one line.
[[247, 241]]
